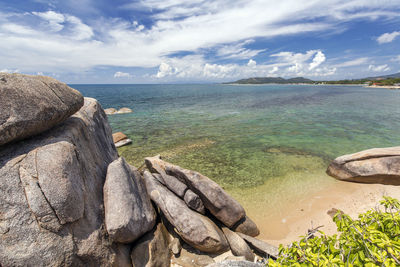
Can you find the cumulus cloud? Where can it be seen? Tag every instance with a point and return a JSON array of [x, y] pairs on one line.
[[379, 68], [61, 42], [251, 63], [120, 74], [10, 70], [387, 37], [318, 59]]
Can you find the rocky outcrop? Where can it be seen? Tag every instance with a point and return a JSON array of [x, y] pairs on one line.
[[194, 228], [51, 205], [377, 165], [111, 111], [128, 211], [152, 249], [238, 246], [214, 198], [33, 104]]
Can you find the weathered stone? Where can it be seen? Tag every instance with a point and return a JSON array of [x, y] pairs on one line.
[[214, 198], [172, 183], [191, 258], [194, 202], [152, 249], [51, 201], [128, 211], [377, 165], [123, 142], [30, 105], [238, 246], [124, 110], [265, 249], [118, 136], [175, 246], [246, 226], [110, 111], [195, 229]]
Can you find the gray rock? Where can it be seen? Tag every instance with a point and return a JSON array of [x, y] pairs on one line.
[[123, 142], [377, 165], [194, 202], [128, 211], [189, 257], [238, 246], [33, 104], [263, 248], [51, 201], [175, 246], [194, 228], [172, 183], [246, 226], [152, 249], [233, 263], [214, 198]]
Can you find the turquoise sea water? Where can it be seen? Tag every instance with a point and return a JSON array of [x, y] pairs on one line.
[[268, 145], [241, 136]]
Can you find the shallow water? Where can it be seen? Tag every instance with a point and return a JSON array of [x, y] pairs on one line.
[[256, 141]]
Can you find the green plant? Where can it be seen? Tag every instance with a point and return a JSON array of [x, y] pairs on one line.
[[371, 240]]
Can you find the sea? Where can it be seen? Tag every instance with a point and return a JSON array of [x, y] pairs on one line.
[[267, 145]]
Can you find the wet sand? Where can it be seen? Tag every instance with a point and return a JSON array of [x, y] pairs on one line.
[[296, 214]]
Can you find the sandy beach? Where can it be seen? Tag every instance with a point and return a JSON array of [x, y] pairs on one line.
[[311, 211]]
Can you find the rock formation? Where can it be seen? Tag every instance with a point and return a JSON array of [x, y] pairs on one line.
[[33, 104], [120, 139], [377, 165]]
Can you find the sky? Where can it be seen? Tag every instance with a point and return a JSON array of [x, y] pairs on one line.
[[199, 41]]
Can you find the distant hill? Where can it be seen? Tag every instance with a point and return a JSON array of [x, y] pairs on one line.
[[390, 76], [263, 80]]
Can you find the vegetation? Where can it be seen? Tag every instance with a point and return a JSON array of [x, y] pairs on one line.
[[372, 240], [383, 82], [280, 80]]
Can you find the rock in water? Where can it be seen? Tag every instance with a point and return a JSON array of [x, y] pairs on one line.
[[110, 111], [152, 249], [30, 105], [265, 249], [195, 229], [119, 136], [51, 201], [238, 246], [246, 226], [214, 198], [123, 143], [124, 110], [128, 211], [377, 165]]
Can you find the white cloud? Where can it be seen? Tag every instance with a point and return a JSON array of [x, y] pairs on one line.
[[353, 62], [10, 70], [59, 42], [318, 59], [251, 63], [120, 74], [379, 68], [274, 70], [387, 37]]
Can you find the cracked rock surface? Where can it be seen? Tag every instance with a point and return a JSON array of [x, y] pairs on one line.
[[51, 201]]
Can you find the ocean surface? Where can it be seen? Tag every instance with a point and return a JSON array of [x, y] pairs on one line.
[[265, 144]]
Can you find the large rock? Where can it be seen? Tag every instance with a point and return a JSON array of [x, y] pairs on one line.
[[51, 201], [33, 104], [119, 136], [263, 248], [238, 246], [195, 229], [128, 211], [194, 202], [152, 249], [377, 165], [172, 183], [230, 263], [214, 198], [246, 226]]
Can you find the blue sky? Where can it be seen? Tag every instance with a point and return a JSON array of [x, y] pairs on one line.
[[167, 41]]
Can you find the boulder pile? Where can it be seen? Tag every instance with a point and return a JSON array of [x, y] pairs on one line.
[[68, 199]]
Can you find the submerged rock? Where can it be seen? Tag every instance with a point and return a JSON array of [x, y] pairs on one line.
[[377, 165], [51, 201], [152, 249], [214, 198], [195, 229], [110, 111], [128, 211], [30, 105], [124, 110], [119, 136]]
